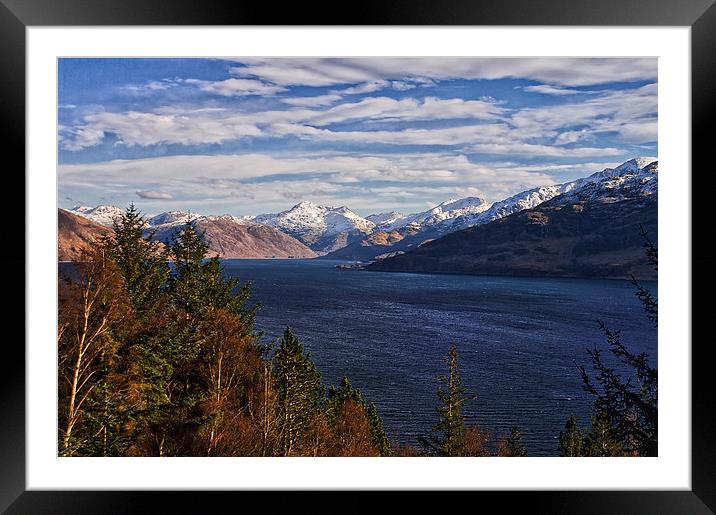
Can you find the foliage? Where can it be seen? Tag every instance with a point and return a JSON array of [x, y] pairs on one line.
[[571, 440], [625, 408], [448, 434], [299, 392]]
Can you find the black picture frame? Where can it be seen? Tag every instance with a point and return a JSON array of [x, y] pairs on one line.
[[699, 15]]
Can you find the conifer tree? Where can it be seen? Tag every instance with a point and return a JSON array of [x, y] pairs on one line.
[[571, 440], [189, 403], [299, 392], [515, 446], [377, 431], [197, 286], [602, 440], [140, 261], [447, 436], [358, 431], [631, 409], [337, 397]]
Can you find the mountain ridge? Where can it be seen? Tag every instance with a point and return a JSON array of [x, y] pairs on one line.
[[593, 230]]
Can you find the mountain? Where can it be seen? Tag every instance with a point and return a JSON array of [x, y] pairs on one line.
[[76, 234], [531, 198], [444, 212], [385, 221], [453, 216], [229, 236], [103, 215], [589, 230], [321, 228]]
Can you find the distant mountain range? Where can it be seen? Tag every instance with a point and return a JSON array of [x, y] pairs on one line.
[[227, 236], [309, 230], [590, 229]]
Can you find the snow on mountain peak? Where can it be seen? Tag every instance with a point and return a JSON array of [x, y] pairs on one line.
[[103, 214], [173, 217], [310, 221], [635, 174]]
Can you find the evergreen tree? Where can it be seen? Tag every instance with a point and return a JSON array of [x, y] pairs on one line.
[[602, 440], [447, 436], [377, 431], [571, 440], [337, 397], [299, 392], [358, 430], [184, 396], [140, 261], [197, 286], [514, 443], [631, 409]]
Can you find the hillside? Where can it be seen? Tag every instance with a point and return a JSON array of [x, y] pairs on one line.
[[587, 235], [75, 234]]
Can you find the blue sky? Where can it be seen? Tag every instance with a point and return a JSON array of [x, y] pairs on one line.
[[253, 135]]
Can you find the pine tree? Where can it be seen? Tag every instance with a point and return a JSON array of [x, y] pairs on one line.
[[299, 392], [337, 397], [187, 401], [631, 409], [140, 261], [602, 440], [197, 286], [447, 436], [377, 431], [514, 443], [358, 430], [571, 440]]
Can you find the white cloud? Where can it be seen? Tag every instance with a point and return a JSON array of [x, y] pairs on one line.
[[555, 71], [407, 109], [316, 101], [236, 87], [367, 87], [567, 137], [302, 71], [544, 150], [78, 138], [262, 179], [546, 89], [629, 113], [153, 194], [135, 128]]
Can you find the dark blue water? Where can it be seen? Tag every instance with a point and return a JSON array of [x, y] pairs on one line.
[[518, 339]]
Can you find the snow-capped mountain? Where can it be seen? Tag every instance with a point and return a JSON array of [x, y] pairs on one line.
[[103, 215], [626, 174], [322, 228], [385, 221], [226, 235], [172, 218], [165, 224], [593, 229], [447, 210], [634, 178], [329, 229]]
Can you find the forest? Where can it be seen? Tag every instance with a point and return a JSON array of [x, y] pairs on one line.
[[158, 356]]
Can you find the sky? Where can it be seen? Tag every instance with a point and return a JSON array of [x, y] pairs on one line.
[[247, 136]]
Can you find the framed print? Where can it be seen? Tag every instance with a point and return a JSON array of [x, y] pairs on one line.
[[438, 203]]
